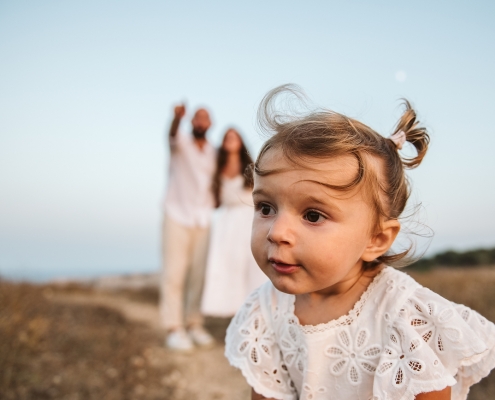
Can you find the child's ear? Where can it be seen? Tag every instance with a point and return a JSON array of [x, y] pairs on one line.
[[380, 242]]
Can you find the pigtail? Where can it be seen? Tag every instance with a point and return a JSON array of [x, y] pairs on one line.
[[409, 126]]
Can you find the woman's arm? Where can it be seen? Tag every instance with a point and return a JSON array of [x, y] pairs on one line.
[[440, 395], [256, 396]]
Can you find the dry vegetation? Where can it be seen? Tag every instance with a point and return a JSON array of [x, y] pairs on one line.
[[50, 350], [64, 350]]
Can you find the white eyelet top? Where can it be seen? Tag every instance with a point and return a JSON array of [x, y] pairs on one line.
[[400, 339]]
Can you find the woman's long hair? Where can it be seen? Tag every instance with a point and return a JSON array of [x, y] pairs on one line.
[[222, 157]]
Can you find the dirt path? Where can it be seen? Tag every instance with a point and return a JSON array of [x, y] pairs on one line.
[[202, 375]]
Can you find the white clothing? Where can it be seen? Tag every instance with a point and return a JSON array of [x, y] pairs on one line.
[[400, 339], [189, 199], [231, 271]]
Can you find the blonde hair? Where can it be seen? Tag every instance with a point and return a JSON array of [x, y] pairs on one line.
[[324, 133]]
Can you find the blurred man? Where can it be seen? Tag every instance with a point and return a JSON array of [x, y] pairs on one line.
[[188, 206]]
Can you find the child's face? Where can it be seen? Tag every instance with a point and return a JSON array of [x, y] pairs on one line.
[[307, 237]]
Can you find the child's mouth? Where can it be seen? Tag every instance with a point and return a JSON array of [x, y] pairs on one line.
[[283, 268]]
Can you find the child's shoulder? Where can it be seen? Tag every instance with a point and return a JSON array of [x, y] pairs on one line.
[[437, 338], [395, 295], [396, 290]]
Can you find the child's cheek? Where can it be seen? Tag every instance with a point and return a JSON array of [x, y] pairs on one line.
[[258, 239]]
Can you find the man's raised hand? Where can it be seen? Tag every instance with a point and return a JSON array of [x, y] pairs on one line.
[[179, 111]]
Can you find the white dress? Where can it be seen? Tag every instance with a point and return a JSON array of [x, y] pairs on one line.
[[231, 271], [400, 339]]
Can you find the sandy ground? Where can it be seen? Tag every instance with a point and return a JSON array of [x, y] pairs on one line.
[[203, 375]]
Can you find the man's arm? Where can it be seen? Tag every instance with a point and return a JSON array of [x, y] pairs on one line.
[[179, 112]]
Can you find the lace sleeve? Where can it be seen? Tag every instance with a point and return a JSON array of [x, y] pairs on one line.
[[251, 347], [433, 344]]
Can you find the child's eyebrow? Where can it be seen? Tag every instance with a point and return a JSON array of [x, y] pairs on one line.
[[317, 200], [258, 191], [306, 198]]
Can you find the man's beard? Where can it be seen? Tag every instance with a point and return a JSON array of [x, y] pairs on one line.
[[199, 133]]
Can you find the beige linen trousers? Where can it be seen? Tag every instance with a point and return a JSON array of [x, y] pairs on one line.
[[183, 270]]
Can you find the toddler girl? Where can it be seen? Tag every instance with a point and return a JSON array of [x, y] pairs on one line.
[[337, 321]]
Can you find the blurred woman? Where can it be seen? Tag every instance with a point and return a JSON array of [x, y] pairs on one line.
[[231, 271]]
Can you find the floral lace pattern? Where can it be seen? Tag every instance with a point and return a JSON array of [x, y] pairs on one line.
[[256, 340], [353, 356], [258, 356], [407, 340], [293, 348], [311, 393], [401, 358], [435, 324]]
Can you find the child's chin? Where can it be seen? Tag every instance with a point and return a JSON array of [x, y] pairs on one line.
[[286, 285]]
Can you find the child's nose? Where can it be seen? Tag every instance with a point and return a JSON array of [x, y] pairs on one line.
[[280, 231]]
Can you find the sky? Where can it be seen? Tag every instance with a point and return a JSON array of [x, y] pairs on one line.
[[87, 91]]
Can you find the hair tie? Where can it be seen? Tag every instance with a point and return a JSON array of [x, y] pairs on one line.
[[399, 138]]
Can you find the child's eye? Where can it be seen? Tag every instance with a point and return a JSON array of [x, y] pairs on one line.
[[266, 209], [314, 216]]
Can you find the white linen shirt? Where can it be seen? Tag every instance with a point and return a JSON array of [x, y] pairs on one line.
[[189, 199]]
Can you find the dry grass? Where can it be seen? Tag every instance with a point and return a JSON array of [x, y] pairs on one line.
[[55, 351]]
